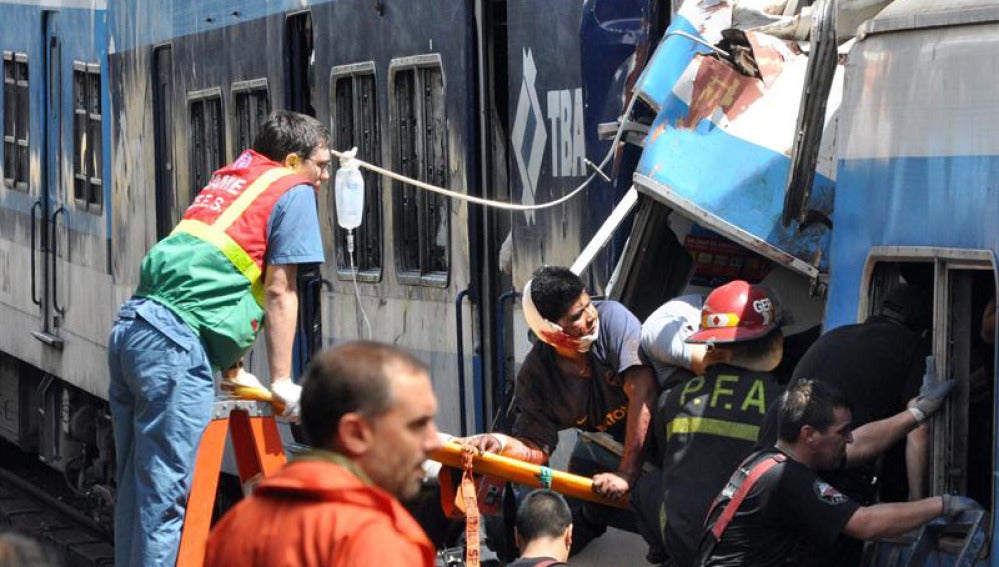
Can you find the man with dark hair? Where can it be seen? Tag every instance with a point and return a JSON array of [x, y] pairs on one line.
[[544, 530], [710, 422], [202, 295], [585, 371], [879, 363], [369, 412], [775, 510]]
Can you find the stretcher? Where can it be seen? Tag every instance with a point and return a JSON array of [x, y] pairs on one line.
[[527, 474], [513, 470]]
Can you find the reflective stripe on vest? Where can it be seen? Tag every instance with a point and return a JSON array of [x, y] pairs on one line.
[[709, 426], [215, 233]]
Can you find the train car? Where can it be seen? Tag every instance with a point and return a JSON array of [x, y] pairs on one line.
[[57, 246], [916, 201], [903, 191], [115, 114]]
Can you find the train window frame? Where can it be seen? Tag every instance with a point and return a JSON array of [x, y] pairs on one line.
[[370, 234], [419, 243], [242, 92], [88, 160], [954, 322], [17, 121], [194, 98]]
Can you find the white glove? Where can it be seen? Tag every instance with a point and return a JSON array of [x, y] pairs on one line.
[[241, 379], [289, 393]]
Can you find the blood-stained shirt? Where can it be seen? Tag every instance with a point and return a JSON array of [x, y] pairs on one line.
[[547, 400]]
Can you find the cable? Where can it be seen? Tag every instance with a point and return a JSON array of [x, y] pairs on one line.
[[501, 204], [701, 41], [353, 272]]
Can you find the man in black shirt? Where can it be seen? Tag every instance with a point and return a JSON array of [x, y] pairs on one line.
[[586, 371], [544, 530], [878, 364], [781, 510]]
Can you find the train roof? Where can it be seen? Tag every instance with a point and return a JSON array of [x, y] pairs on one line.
[[904, 15]]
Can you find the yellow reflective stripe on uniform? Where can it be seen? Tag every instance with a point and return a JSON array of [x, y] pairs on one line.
[[709, 426], [231, 249], [245, 199]]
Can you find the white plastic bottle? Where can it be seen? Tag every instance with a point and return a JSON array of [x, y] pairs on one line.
[[349, 192]]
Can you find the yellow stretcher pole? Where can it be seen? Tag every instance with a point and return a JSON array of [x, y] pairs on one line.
[[525, 473], [490, 464], [257, 395]]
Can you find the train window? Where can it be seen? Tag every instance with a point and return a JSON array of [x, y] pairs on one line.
[[354, 109], [15, 123], [167, 206], [963, 344], [207, 136], [299, 55], [419, 141], [88, 186], [252, 103]]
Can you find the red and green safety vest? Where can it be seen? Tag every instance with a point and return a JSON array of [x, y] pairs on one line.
[[209, 270]]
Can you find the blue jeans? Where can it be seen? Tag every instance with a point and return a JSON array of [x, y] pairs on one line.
[[161, 398]]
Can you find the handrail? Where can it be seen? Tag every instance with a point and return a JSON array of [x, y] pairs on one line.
[[60, 309], [460, 336], [501, 355], [34, 252]]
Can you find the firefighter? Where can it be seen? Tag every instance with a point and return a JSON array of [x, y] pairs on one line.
[[712, 420], [775, 510]]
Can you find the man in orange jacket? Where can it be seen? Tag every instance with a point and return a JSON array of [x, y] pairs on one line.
[[369, 411]]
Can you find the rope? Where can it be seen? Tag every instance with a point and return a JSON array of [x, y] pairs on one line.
[[598, 169], [472, 551]]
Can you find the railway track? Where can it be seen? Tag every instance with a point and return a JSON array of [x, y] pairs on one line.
[[35, 501]]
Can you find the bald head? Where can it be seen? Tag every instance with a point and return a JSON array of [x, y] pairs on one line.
[[354, 377]]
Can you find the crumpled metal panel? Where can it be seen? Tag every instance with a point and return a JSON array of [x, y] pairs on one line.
[[719, 148]]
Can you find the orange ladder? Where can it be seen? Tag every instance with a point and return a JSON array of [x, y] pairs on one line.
[[258, 451]]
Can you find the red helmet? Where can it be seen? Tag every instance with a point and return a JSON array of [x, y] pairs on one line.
[[736, 311]]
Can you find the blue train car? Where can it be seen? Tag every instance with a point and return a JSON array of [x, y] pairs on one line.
[[56, 220], [904, 190], [116, 113], [916, 200]]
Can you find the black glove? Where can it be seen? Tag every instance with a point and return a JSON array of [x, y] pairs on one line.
[[932, 394], [954, 505]]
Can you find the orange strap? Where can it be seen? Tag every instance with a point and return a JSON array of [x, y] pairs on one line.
[[471, 507]]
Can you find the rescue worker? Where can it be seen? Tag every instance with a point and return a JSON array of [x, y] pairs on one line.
[[711, 421], [879, 363], [202, 296], [544, 530], [586, 372], [368, 410], [783, 511]]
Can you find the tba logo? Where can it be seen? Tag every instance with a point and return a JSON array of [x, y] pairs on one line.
[[528, 136]]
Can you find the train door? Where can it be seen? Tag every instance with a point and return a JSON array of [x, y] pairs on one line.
[[961, 456], [298, 97], [49, 210]]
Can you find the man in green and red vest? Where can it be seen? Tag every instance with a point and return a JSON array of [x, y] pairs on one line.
[[203, 294]]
